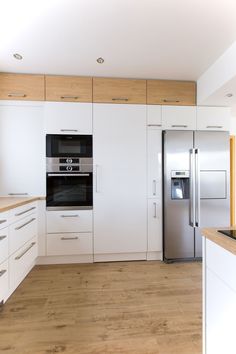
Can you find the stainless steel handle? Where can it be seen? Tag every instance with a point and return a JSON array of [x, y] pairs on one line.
[[67, 96], [154, 187], [120, 99], [69, 238], [179, 126], [155, 210], [214, 126], [3, 237], [68, 174], [69, 130], [70, 216], [16, 94], [26, 223], [2, 221], [170, 101], [17, 193], [192, 213], [25, 211], [25, 251], [2, 272], [197, 191], [154, 125]]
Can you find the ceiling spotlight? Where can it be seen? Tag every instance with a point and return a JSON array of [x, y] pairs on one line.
[[17, 56], [229, 95], [100, 60]]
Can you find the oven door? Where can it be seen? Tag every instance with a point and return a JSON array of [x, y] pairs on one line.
[[69, 145], [69, 191]]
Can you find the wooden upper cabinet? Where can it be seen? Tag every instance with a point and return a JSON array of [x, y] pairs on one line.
[[168, 92], [68, 88], [21, 87], [119, 91]]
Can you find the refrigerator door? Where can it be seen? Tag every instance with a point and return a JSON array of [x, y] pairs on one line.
[[214, 177], [178, 234]]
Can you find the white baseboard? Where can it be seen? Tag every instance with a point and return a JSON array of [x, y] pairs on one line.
[[64, 259], [154, 256], [118, 257]]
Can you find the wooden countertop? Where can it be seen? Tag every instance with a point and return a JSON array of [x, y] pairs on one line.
[[222, 240], [8, 203]]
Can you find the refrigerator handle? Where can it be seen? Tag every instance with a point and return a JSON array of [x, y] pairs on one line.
[[197, 188], [192, 211]]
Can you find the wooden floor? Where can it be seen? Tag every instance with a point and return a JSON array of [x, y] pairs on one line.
[[128, 307]]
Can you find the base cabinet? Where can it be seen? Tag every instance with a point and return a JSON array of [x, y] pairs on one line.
[[69, 244], [4, 281]]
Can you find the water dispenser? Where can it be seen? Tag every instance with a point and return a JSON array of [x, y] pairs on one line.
[[179, 184]]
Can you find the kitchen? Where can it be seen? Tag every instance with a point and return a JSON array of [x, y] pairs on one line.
[[95, 256]]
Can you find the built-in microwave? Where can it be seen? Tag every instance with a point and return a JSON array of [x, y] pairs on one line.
[[58, 145]]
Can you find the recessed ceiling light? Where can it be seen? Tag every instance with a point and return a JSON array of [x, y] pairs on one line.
[[17, 56], [100, 60], [229, 95]]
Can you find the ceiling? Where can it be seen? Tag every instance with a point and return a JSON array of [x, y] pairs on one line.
[[169, 39]]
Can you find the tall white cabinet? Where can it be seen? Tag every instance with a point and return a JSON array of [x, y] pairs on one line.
[[120, 204]]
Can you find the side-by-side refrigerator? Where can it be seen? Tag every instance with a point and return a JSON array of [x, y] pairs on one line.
[[195, 189]]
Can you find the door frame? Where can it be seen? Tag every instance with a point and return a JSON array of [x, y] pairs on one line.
[[232, 180]]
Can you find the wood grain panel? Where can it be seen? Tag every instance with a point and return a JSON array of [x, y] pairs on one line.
[[68, 88], [119, 91], [21, 87], [169, 92]]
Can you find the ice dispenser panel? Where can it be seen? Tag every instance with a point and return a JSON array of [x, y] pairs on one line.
[[179, 184]]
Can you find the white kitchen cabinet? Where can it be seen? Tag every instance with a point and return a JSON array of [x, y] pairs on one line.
[[154, 117], [21, 232], [213, 118], [4, 241], [179, 117], [4, 280], [68, 118], [60, 221], [22, 149], [154, 163], [69, 244], [4, 218], [154, 225], [120, 211]]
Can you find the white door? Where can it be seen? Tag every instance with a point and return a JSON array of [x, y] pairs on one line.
[[154, 147], [22, 149], [120, 207]]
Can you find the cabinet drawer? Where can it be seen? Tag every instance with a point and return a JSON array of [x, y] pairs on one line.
[[23, 211], [154, 119], [69, 244], [119, 91], [4, 218], [168, 92], [154, 225], [213, 118], [179, 118], [68, 88], [22, 231], [4, 280], [4, 248], [21, 87], [22, 261], [69, 221]]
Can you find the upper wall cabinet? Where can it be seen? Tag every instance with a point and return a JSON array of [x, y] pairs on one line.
[[178, 118], [168, 92], [213, 118], [119, 91], [21, 87], [68, 88], [154, 119]]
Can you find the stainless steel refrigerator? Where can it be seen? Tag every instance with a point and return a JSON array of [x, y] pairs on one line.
[[195, 189]]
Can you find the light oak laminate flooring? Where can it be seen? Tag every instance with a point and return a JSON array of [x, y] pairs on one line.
[[105, 308]]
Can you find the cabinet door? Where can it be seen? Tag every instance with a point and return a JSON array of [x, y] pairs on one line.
[[179, 118], [120, 215], [213, 118], [154, 225], [21, 87], [4, 249], [68, 118], [154, 119], [68, 88], [154, 153], [119, 91], [4, 281], [171, 92], [22, 150]]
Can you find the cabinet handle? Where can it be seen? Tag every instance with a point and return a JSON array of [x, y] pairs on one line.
[[26, 223], [2, 221], [214, 126], [25, 251], [67, 96], [69, 130], [120, 99], [17, 193], [68, 174], [170, 101], [154, 187], [25, 211], [70, 216], [154, 125], [155, 210], [69, 238], [3, 237], [2, 272], [179, 126], [15, 94]]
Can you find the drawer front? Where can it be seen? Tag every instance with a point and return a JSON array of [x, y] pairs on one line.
[[69, 244], [68, 88], [21, 262], [169, 92], [4, 280], [4, 248], [21, 232], [4, 218], [69, 221], [154, 119], [23, 211], [21, 87], [119, 91], [179, 118]]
